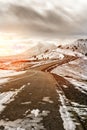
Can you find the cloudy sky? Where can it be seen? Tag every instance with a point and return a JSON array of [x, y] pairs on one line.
[[44, 18]]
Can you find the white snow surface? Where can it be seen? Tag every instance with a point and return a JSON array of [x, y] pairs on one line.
[[6, 73], [81, 110], [51, 55], [31, 122], [81, 86], [35, 112], [75, 72], [7, 97], [4, 80], [4, 98], [79, 45], [68, 121], [76, 69], [47, 99]]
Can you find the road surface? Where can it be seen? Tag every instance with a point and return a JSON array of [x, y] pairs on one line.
[[40, 100]]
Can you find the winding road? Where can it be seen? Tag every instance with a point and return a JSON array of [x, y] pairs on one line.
[[42, 101]]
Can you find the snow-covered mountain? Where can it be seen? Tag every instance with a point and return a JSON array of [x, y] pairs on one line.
[[39, 48], [33, 51], [79, 45], [52, 55], [45, 50]]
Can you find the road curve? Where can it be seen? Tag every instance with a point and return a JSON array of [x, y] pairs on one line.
[[36, 101]]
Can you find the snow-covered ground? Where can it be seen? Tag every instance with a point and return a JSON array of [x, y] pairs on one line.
[[68, 121], [6, 75], [57, 53], [76, 69], [68, 52], [76, 73], [4, 98], [80, 109], [31, 122], [67, 111], [51, 55], [79, 45]]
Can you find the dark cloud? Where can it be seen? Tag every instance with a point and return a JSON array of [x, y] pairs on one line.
[[24, 13], [52, 23]]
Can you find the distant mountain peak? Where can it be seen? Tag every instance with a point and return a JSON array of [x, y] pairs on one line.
[[79, 45], [82, 40]]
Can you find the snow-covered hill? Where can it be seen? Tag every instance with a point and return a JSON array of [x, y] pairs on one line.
[[39, 48], [47, 50], [79, 45], [53, 54], [36, 49]]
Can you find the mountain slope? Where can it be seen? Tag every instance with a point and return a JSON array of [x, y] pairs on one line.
[[35, 50], [79, 45]]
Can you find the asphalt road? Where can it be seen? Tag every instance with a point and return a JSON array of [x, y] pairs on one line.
[[41, 91]]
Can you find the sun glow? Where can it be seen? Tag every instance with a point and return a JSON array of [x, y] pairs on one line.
[[11, 46]]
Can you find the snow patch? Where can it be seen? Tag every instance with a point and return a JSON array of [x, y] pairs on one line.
[[25, 103], [4, 98], [47, 99], [65, 86], [35, 112], [81, 110], [4, 80], [16, 92], [76, 69], [82, 86], [68, 121], [6, 73], [31, 122]]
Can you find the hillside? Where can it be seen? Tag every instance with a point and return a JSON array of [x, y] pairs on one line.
[[79, 45]]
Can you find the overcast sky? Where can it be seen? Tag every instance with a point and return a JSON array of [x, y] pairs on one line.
[[44, 18]]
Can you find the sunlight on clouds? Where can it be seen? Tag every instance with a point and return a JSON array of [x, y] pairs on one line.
[[10, 46]]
